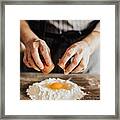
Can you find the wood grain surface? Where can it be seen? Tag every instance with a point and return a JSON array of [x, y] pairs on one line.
[[90, 82]]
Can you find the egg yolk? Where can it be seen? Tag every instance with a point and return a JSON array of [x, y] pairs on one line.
[[58, 85]]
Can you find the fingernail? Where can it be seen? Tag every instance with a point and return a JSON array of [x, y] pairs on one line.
[[37, 69], [42, 67], [66, 73]]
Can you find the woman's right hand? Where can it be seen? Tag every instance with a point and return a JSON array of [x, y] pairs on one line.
[[34, 49]]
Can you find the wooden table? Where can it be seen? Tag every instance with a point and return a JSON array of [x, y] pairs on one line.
[[90, 82]]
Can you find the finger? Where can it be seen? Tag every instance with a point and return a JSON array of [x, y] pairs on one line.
[[48, 69], [76, 60], [83, 65], [31, 62], [68, 54], [37, 59], [79, 68], [86, 61], [25, 60], [46, 54]]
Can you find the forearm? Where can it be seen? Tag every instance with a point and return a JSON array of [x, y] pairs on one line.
[[26, 33], [93, 40]]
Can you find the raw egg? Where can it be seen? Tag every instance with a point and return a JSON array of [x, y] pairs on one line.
[[58, 85]]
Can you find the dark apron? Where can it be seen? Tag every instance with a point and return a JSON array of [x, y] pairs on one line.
[[58, 43]]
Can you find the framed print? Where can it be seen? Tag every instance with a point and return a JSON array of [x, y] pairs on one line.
[[60, 59]]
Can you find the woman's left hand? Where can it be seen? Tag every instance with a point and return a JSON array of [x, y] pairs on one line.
[[79, 54]]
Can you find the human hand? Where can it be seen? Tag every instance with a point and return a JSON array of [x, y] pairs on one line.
[[32, 58], [79, 54]]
